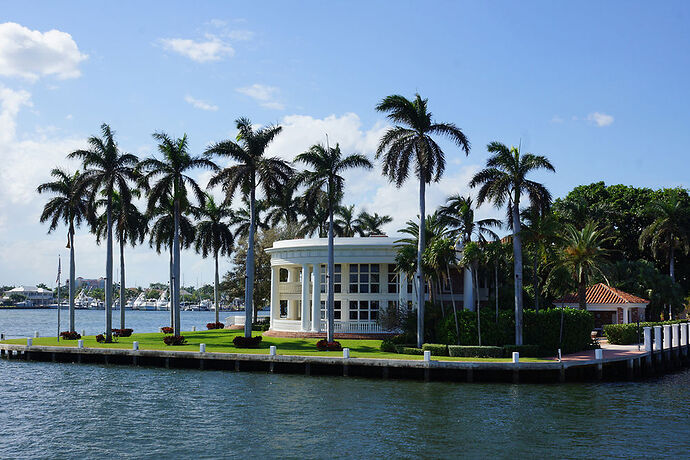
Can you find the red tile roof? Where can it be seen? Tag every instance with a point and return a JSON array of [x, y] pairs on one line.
[[603, 294]]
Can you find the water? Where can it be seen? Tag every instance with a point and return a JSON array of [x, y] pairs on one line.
[[80, 411]]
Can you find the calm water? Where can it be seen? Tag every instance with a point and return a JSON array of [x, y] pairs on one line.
[[84, 411]]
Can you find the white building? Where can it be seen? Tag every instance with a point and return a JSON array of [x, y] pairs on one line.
[[33, 294], [365, 282]]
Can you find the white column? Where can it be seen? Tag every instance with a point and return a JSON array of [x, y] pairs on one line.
[[305, 298], [625, 315], [676, 335], [684, 335], [468, 290], [647, 339], [402, 290], [275, 294], [667, 336], [657, 338], [316, 298]]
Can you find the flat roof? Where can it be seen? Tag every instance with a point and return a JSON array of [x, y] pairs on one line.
[[304, 243]]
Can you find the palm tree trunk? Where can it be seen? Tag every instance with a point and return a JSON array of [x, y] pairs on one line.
[[496, 288], [535, 283], [215, 289], [582, 293], [475, 270], [671, 264], [176, 267], [455, 310], [331, 270], [171, 287], [249, 278], [71, 279], [109, 274], [420, 251], [123, 290], [517, 266]]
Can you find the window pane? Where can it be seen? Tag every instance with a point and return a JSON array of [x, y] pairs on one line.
[[336, 288], [337, 278], [374, 315], [353, 305], [364, 314], [374, 278], [363, 304], [337, 268], [364, 288], [353, 278], [353, 268], [364, 268], [391, 278], [336, 314], [364, 278], [353, 288], [391, 268], [353, 314], [374, 304], [392, 288], [375, 268], [336, 304], [374, 288]]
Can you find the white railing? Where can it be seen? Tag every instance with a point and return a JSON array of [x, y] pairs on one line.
[[365, 327], [292, 287]]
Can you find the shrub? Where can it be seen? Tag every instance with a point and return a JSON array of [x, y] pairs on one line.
[[174, 340], [410, 350], [167, 330], [404, 338], [262, 325], [388, 346], [70, 335], [526, 351], [247, 342], [324, 345], [475, 351], [217, 325], [122, 332], [436, 349], [100, 338], [626, 334]]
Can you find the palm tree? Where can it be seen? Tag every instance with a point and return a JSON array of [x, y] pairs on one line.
[[284, 207], [670, 229], [496, 256], [539, 231], [346, 224], [440, 256], [583, 256], [472, 256], [504, 181], [252, 171], [372, 223], [162, 235], [410, 141], [130, 225], [314, 206], [214, 237], [172, 179], [106, 170], [328, 165], [241, 218], [71, 207]]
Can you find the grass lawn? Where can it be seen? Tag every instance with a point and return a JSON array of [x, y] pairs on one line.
[[220, 340]]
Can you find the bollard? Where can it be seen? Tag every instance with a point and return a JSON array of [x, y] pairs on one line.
[[80, 344], [427, 356], [559, 355], [83, 332], [599, 354], [346, 353], [648, 339], [272, 350], [667, 336], [2, 336], [684, 335], [29, 342], [676, 335], [516, 357], [202, 348], [36, 334], [135, 345], [193, 328], [657, 338]]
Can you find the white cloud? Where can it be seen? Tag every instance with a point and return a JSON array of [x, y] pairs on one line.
[[32, 54], [199, 104], [601, 119], [556, 119], [212, 49], [240, 35], [264, 94]]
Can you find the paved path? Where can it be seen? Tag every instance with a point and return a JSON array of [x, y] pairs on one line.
[[609, 351]]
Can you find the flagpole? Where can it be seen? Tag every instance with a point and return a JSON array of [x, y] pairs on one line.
[[58, 299]]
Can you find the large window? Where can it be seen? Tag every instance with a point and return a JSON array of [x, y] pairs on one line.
[[364, 278], [337, 310], [283, 308], [392, 280], [337, 278], [364, 310]]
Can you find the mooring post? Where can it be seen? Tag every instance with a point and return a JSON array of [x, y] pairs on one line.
[[648, 339], [631, 369], [427, 363], [135, 345], [29, 341], [83, 332], [667, 336], [193, 328], [272, 350], [684, 339], [80, 343], [346, 356], [657, 339], [599, 356], [202, 348], [36, 334], [676, 335], [2, 336]]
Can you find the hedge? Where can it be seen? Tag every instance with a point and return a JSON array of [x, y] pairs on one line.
[[475, 352], [527, 351], [388, 346], [436, 349], [626, 334], [410, 351]]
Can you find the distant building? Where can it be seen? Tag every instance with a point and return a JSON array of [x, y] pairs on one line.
[[89, 283], [34, 295]]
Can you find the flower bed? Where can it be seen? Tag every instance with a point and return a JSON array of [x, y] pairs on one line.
[[218, 325], [70, 335], [100, 338], [122, 332], [174, 340], [324, 345], [247, 342], [166, 330]]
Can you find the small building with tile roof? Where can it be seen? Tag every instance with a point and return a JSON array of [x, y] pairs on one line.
[[608, 304]]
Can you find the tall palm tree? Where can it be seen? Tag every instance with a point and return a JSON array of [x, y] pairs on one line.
[[285, 207], [410, 140], [162, 235], [495, 255], [315, 211], [252, 171], [171, 176], [241, 218], [106, 170], [372, 223], [130, 225], [472, 256], [346, 223], [328, 165], [582, 254], [214, 237], [540, 233], [504, 181], [670, 229], [71, 207], [458, 216], [440, 256]]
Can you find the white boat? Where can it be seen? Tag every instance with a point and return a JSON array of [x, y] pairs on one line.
[[142, 303]]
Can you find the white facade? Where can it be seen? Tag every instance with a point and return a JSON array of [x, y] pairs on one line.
[[35, 295], [365, 283]]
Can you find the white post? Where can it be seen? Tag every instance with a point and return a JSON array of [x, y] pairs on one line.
[[676, 335], [202, 348], [647, 339], [304, 325], [275, 295], [135, 345], [427, 356], [684, 335], [559, 355], [83, 332], [657, 338], [346, 353], [36, 334], [193, 328], [29, 341], [667, 336], [625, 315], [468, 290], [316, 299], [80, 344], [272, 350], [516, 357], [599, 354]]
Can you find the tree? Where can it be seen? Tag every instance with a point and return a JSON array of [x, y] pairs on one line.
[[346, 223], [410, 140], [252, 171], [241, 218], [214, 237], [70, 206], [372, 223], [440, 254], [106, 170], [582, 254], [315, 208], [328, 165], [171, 176], [504, 181], [540, 233], [472, 256], [495, 255], [130, 225]]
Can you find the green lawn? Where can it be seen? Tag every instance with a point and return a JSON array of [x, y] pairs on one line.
[[220, 340]]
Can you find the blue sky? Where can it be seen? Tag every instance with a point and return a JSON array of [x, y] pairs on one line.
[[600, 88]]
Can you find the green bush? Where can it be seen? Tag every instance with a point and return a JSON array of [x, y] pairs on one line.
[[475, 351], [527, 351], [404, 338], [410, 351], [262, 325], [388, 346], [436, 349], [627, 334]]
